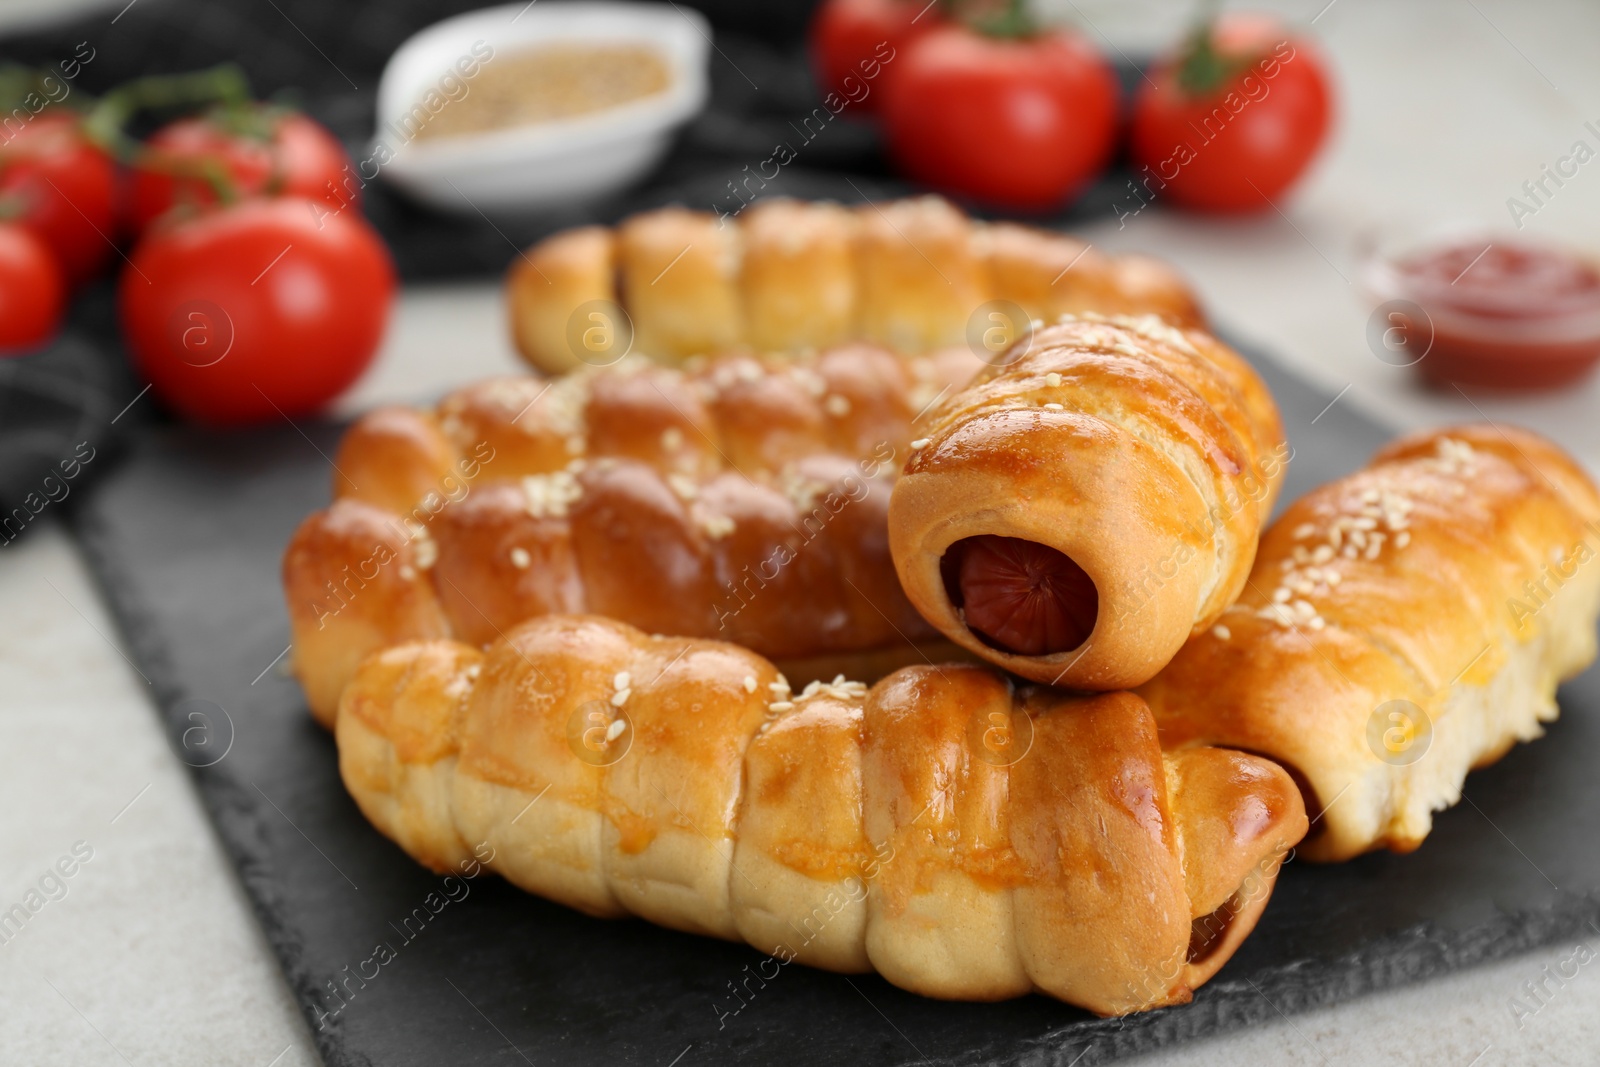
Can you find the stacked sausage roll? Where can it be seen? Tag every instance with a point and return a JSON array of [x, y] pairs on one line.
[[544, 616]]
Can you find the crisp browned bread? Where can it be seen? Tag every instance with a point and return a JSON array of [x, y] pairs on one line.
[[743, 499], [964, 838], [1401, 626], [1084, 505], [789, 275]]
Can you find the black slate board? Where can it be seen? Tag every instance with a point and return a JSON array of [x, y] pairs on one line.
[[186, 536]]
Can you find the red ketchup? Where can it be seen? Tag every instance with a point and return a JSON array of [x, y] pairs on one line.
[[1501, 314]]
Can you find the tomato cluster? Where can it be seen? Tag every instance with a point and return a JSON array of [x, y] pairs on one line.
[[242, 296], [978, 101]]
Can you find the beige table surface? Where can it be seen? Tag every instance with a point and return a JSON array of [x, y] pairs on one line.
[[152, 956]]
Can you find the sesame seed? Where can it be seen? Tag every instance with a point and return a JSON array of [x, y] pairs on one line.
[[406, 572], [1053, 380], [749, 683], [683, 486], [1282, 594], [622, 681], [1222, 631], [919, 444], [671, 439], [520, 558], [837, 406], [1054, 407], [614, 731], [1317, 622], [427, 552], [716, 527], [1402, 539], [1304, 530], [620, 697], [781, 705]]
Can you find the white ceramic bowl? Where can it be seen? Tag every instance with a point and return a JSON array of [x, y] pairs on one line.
[[549, 164]]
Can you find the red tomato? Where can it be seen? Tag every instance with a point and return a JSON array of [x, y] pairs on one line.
[[32, 291], [1231, 121], [295, 157], [1019, 122], [856, 38], [66, 188], [257, 310]]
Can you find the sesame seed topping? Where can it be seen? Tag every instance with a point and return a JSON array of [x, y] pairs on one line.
[[520, 558], [919, 444], [683, 486], [837, 406], [715, 526], [671, 439], [549, 495], [427, 551], [1303, 531], [614, 731], [407, 572], [620, 697], [622, 681], [1222, 632], [1053, 380], [749, 683]]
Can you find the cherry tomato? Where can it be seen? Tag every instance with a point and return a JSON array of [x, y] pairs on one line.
[[855, 38], [262, 151], [66, 191], [1018, 122], [32, 291], [249, 312], [1231, 121]]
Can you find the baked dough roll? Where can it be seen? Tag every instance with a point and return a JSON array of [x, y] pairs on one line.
[[745, 500], [791, 275], [1401, 626], [551, 281], [966, 839], [798, 277], [1081, 508], [680, 281]]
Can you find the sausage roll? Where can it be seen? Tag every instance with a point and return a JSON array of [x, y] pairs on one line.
[[964, 838], [789, 275], [1090, 500], [1401, 626], [744, 500]]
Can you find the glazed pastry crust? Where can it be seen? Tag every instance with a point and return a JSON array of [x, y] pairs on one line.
[[743, 499], [1148, 455], [1451, 582], [849, 828], [789, 275]]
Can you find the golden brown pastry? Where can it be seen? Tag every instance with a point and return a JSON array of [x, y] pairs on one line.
[[745, 500], [1084, 505], [966, 839], [1401, 626], [790, 275]]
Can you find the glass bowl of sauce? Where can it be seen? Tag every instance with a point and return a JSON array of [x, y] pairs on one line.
[[1491, 312]]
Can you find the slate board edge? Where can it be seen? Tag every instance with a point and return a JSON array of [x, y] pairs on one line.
[[235, 813]]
